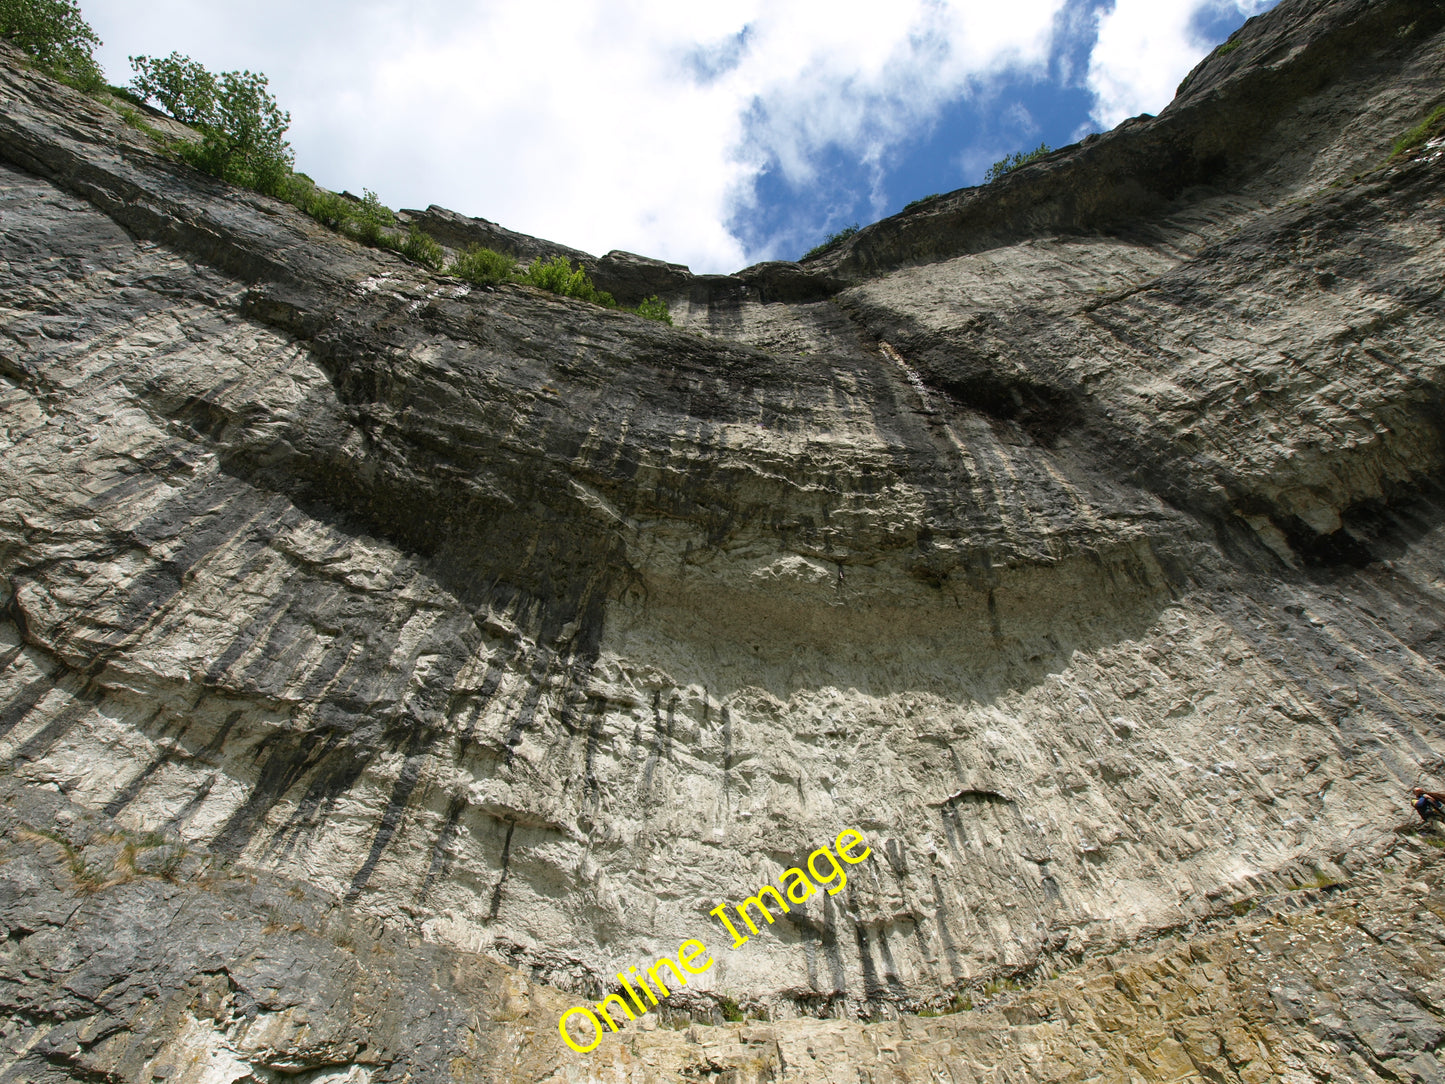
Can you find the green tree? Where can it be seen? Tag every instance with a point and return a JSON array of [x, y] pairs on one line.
[[243, 130], [182, 87], [56, 35]]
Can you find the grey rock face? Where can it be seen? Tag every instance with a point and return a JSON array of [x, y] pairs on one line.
[[1077, 539], [459, 232]]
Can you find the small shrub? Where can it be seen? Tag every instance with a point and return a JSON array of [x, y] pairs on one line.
[[57, 36], [329, 208], [558, 276], [1418, 134], [1014, 161], [371, 218], [654, 308], [367, 220], [422, 248], [731, 1011], [483, 267], [554, 274], [920, 200], [1227, 48], [1242, 907], [181, 86]]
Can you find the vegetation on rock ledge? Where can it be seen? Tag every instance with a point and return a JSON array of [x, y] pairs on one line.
[[243, 142], [1014, 161], [243, 130], [486, 267], [832, 240], [57, 36], [1418, 135]]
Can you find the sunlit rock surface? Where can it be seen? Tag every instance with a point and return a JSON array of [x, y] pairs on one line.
[[386, 662]]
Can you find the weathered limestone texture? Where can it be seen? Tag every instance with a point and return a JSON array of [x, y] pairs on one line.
[[387, 662]]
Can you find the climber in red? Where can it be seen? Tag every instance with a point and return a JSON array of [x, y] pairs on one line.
[[1429, 803]]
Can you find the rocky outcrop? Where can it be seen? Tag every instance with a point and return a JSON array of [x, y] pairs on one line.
[[1298, 99], [630, 278], [1076, 539], [456, 231]]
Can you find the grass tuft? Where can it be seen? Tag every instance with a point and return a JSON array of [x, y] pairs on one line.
[[1015, 161], [831, 241], [134, 118], [1419, 134], [999, 986], [961, 1002]]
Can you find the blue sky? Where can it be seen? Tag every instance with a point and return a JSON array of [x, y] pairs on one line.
[[712, 135]]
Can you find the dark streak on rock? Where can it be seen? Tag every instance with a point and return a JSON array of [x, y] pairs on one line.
[[288, 758], [39, 743], [441, 859], [940, 914], [178, 819], [127, 793], [496, 905], [21, 704], [727, 757], [419, 747]]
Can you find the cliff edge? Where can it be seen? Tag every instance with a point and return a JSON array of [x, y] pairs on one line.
[[386, 663]]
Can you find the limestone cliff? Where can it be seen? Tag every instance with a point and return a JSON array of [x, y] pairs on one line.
[[386, 662]]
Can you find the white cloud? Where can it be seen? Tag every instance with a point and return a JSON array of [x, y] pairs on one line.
[[1145, 47], [640, 125]]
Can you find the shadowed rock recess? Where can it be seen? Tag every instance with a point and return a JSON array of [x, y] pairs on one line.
[[385, 663]]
